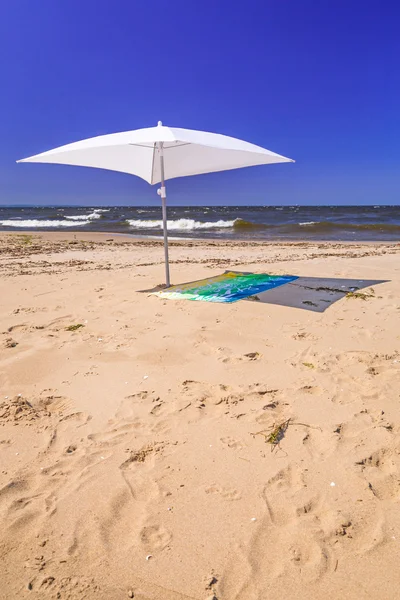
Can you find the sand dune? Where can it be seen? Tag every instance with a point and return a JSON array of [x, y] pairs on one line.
[[135, 458]]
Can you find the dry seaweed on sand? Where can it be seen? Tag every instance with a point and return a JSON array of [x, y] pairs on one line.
[[274, 436], [74, 327], [277, 433], [24, 238], [361, 295]]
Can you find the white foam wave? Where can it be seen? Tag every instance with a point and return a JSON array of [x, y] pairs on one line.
[[96, 214], [35, 223], [79, 217], [308, 223], [180, 224]]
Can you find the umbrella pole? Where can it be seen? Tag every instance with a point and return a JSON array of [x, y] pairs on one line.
[[163, 195]]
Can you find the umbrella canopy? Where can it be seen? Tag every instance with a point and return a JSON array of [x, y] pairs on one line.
[[159, 153]]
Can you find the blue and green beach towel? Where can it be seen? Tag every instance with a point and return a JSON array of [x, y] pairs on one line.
[[231, 286]]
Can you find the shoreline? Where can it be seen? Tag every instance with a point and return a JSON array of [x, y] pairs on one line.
[[99, 236]]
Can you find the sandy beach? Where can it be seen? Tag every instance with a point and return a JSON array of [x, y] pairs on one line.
[[135, 431]]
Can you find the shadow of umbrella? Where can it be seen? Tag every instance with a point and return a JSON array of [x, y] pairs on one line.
[[317, 293]]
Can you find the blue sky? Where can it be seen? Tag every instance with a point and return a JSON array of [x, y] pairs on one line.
[[316, 81]]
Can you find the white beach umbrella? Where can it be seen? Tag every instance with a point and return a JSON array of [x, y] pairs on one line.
[[159, 153]]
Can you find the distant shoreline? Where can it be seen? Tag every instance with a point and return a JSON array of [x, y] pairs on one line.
[[102, 237]]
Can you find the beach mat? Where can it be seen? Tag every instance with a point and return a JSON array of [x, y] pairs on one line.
[[231, 286]]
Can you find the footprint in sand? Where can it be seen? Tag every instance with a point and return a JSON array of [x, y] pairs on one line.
[[155, 538], [370, 535], [233, 443], [288, 541], [68, 587], [10, 343], [128, 408], [321, 443], [24, 411], [225, 492], [311, 389], [302, 336], [29, 502], [112, 437], [296, 531], [360, 424], [202, 394], [248, 357], [161, 427], [381, 471]]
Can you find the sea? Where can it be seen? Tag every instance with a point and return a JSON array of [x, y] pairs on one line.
[[341, 223]]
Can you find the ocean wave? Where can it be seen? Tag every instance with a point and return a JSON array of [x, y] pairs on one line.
[[243, 224], [312, 227], [80, 217], [37, 223], [96, 214], [332, 226], [180, 224]]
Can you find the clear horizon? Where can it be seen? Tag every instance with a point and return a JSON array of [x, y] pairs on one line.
[[272, 74], [172, 205], [194, 206]]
